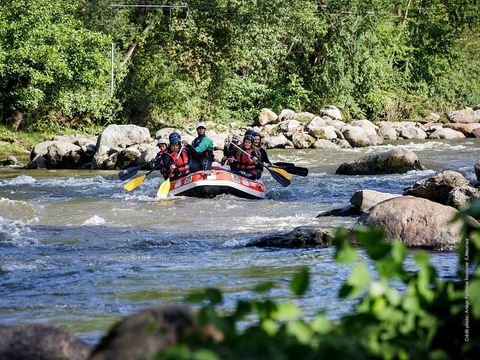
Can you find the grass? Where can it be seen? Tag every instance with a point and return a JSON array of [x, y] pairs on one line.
[[21, 143]]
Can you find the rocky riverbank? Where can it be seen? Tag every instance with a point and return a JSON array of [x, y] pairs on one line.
[[121, 146]]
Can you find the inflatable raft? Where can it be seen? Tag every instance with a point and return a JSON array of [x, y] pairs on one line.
[[210, 183]]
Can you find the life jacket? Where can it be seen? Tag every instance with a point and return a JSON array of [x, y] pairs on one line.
[[245, 162], [181, 163], [205, 154]]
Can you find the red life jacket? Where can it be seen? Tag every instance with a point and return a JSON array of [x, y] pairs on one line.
[[245, 162], [181, 162]]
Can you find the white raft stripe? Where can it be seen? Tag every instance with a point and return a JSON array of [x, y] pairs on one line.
[[198, 183]]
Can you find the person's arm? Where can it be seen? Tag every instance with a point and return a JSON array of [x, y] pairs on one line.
[[264, 157]]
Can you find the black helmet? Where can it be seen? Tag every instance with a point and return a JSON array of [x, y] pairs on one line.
[[248, 137], [175, 138]]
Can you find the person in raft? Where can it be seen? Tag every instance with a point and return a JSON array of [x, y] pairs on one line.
[[245, 159], [257, 145], [201, 150], [229, 150], [175, 160], [158, 161]]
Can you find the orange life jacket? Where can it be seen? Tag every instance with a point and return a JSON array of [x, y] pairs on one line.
[[181, 162], [245, 162]]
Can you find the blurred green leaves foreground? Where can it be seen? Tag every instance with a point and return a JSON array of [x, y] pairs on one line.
[[428, 318]]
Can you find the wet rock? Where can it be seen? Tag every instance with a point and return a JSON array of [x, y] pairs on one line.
[[394, 161], [413, 133], [349, 210], [40, 342], [39, 162], [477, 170], [365, 199], [461, 196], [300, 237], [145, 333], [9, 161], [64, 155], [417, 222], [437, 188]]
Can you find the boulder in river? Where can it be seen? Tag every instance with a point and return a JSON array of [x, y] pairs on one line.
[[417, 222], [365, 199], [437, 188], [394, 161], [145, 333], [40, 342], [300, 237]]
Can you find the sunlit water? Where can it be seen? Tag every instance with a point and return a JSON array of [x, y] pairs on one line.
[[77, 251]]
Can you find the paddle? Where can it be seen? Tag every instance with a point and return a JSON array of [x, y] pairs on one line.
[[131, 171], [280, 175], [164, 187], [132, 184], [292, 169]]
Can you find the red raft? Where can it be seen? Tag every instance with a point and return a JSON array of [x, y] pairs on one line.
[[210, 183]]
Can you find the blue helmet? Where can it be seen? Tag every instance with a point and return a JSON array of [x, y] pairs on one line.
[[250, 132], [249, 137], [175, 138]]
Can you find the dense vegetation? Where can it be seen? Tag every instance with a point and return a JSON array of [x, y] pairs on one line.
[[429, 318], [226, 59]]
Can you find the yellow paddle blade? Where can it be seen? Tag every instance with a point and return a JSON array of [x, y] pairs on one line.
[[132, 184], [163, 189], [282, 172]]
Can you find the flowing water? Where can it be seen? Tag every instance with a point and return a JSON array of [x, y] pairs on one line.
[[77, 251]]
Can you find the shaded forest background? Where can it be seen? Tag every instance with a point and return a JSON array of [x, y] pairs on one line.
[[225, 60]]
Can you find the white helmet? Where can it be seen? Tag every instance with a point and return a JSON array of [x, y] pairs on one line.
[[200, 124], [162, 141]]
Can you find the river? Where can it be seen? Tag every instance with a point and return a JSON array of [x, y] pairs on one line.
[[79, 252]]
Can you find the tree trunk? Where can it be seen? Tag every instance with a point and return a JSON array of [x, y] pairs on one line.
[[133, 45], [15, 120]]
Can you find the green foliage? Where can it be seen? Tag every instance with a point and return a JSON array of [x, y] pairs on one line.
[[227, 59], [399, 314], [49, 63]]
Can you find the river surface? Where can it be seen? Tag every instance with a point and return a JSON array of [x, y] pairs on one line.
[[79, 252]]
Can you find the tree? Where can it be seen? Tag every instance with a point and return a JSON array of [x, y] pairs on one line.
[[48, 62]]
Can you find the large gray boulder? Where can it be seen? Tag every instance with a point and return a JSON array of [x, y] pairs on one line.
[[143, 334], [266, 116], [466, 115], [40, 342], [417, 222], [361, 136], [277, 141], [365, 199], [394, 161], [446, 133], [123, 136], [302, 141], [438, 187]]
